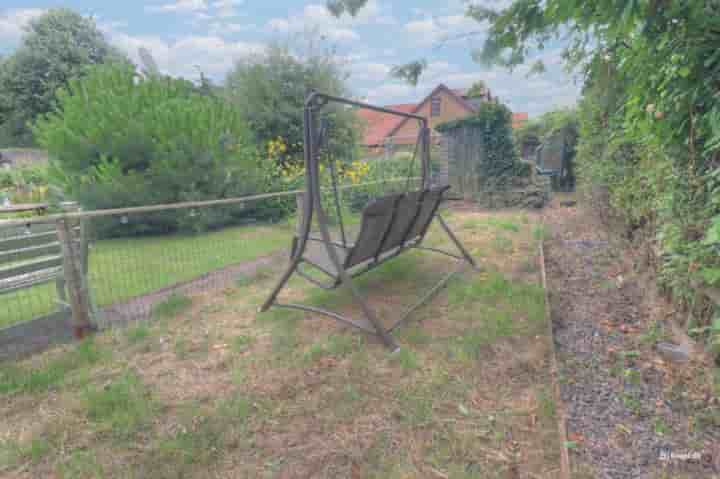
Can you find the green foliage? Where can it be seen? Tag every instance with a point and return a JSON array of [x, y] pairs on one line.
[[649, 120], [410, 72], [269, 90], [478, 90], [119, 140], [56, 47]]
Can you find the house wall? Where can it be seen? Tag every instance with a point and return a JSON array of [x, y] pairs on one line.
[[450, 109]]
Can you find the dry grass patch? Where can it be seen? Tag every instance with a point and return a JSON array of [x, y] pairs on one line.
[[214, 390]]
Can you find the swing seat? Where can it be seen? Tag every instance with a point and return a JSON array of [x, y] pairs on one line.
[[390, 225]]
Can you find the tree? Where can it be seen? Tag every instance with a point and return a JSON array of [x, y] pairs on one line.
[[478, 90], [56, 47], [118, 139], [270, 89]]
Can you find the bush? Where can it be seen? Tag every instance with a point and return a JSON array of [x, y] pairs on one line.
[[118, 140]]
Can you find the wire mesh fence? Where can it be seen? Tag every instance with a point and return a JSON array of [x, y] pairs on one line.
[[134, 259]]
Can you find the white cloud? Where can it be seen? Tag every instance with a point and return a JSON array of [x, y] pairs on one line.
[[317, 17], [179, 6], [369, 71], [12, 22], [213, 55], [440, 29], [227, 8]]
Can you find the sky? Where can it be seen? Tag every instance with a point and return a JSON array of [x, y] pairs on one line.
[[188, 36]]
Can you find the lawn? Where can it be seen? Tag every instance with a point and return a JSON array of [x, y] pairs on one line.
[[128, 267], [209, 388]]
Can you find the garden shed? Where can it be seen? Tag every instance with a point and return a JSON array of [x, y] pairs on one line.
[[482, 165]]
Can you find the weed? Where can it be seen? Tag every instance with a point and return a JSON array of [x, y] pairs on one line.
[[407, 359], [653, 334], [10, 454], [235, 409], [471, 224], [546, 404], [200, 442], [175, 304], [81, 464], [53, 372], [315, 352], [540, 233], [708, 419], [530, 265], [122, 407], [137, 334], [341, 344], [504, 224], [502, 244], [632, 403], [242, 343], [660, 427], [284, 337], [416, 335], [351, 394], [244, 281], [181, 348], [415, 406]]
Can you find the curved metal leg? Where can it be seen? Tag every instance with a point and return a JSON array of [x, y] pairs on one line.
[[281, 284]]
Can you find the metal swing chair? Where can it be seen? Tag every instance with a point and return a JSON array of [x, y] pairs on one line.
[[390, 225]]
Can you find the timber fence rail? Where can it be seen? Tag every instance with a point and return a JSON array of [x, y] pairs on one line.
[[64, 274]]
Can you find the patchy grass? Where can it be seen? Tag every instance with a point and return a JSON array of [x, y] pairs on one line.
[[225, 392], [50, 372], [121, 407], [172, 306]]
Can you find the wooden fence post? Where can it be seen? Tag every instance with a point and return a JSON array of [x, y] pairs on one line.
[[75, 280]]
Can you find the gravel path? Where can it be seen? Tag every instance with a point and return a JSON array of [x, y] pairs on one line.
[[627, 409]]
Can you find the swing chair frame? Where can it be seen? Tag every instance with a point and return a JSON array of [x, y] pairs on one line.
[[391, 225]]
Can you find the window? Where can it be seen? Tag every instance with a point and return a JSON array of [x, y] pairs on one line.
[[435, 106]]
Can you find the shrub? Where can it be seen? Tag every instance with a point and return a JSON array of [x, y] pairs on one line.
[[118, 140]]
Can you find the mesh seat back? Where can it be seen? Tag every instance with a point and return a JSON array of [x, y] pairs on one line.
[[406, 213], [377, 217], [430, 203]]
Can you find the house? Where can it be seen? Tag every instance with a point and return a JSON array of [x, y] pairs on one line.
[[443, 104]]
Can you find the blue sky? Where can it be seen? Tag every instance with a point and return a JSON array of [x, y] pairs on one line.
[[187, 35]]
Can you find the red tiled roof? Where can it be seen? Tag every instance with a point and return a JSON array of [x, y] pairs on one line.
[[519, 119], [378, 125]]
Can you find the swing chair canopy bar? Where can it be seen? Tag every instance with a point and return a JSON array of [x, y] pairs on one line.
[[314, 97]]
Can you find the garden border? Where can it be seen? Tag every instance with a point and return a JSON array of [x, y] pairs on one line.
[[565, 470]]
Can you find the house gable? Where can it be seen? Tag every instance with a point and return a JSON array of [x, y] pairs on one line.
[[452, 106]]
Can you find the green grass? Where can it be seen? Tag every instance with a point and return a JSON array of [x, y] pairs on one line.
[[407, 359], [120, 408], [125, 268], [172, 306], [52, 373]]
